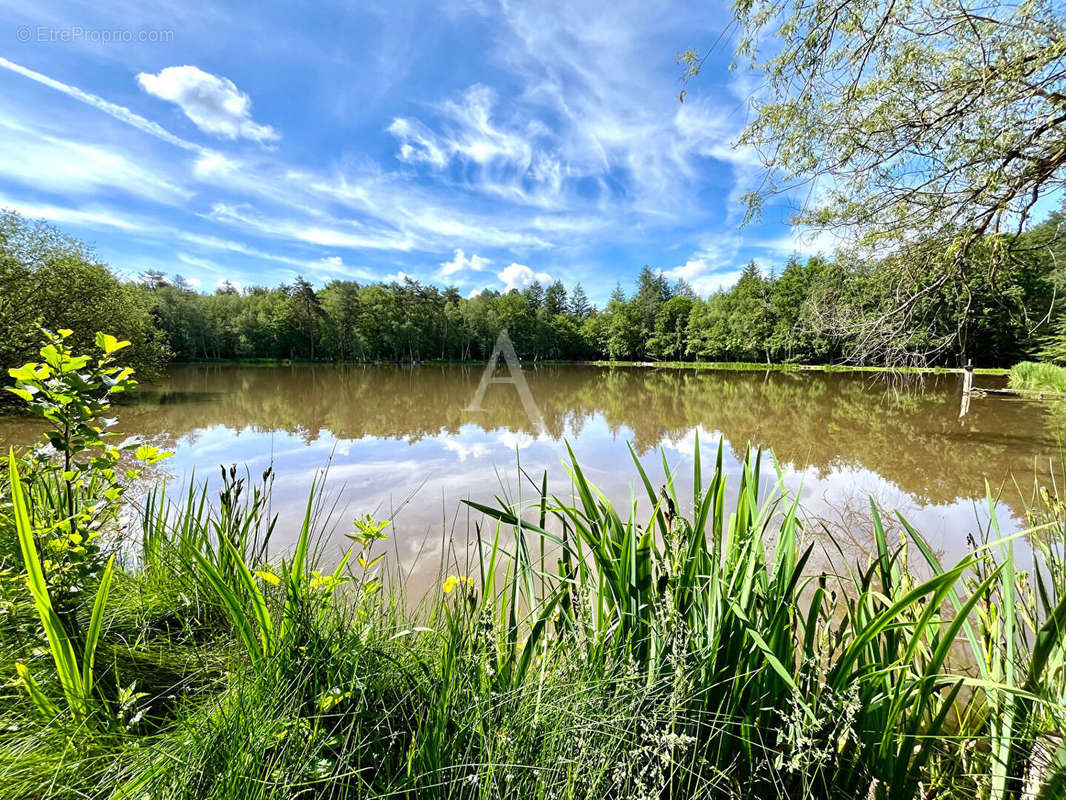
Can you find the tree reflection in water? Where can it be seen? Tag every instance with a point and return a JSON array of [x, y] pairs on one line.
[[398, 431]]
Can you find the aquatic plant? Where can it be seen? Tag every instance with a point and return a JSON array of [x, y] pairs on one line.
[[1038, 376], [681, 646]]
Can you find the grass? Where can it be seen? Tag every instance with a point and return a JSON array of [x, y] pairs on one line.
[[663, 653], [77, 679], [1038, 376]]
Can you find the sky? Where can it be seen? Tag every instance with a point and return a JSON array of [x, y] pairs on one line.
[[468, 144]]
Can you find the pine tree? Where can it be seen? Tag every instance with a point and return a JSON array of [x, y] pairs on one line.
[[307, 308], [555, 299], [579, 303]]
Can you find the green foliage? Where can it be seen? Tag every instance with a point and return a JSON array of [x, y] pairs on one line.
[[245, 602], [920, 122], [50, 279], [1038, 377], [819, 311], [76, 490], [929, 131], [72, 493], [702, 592], [666, 654], [812, 312], [83, 702]]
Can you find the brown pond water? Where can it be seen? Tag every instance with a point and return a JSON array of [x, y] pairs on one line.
[[403, 444]]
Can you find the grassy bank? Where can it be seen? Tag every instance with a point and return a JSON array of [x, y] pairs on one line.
[[784, 367], [1038, 376], [163, 649]]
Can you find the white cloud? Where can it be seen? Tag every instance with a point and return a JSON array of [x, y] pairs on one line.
[[513, 440], [572, 150], [199, 263], [213, 103], [477, 138], [229, 246], [118, 112], [618, 126], [417, 143], [469, 134], [379, 211], [213, 165], [89, 216], [428, 221], [40, 160], [805, 243], [466, 450], [516, 161], [686, 444], [474, 293], [460, 262], [323, 231], [704, 277], [712, 267], [519, 276], [223, 283]]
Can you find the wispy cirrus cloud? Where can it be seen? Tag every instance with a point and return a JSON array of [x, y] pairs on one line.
[[554, 147], [92, 215], [118, 112], [67, 165], [514, 160]]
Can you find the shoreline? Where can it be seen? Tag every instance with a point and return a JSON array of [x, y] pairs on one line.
[[720, 366]]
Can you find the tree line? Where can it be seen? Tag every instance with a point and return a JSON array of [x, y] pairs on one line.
[[813, 310]]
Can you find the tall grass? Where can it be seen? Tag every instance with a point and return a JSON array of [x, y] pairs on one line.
[[74, 670], [595, 651], [1038, 376]]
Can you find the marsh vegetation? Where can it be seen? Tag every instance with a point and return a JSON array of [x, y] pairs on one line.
[[161, 648]]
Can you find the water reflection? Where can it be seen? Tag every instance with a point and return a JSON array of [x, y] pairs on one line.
[[402, 443]]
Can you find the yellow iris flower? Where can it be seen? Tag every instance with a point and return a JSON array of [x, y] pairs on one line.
[[456, 580]]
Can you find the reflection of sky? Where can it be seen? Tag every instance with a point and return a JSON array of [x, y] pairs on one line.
[[419, 484]]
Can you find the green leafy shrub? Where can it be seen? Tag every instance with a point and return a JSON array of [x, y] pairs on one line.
[[74, 489], [68, 493]]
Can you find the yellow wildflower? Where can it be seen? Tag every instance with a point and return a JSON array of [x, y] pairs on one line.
[[456, 580], [269, 577]]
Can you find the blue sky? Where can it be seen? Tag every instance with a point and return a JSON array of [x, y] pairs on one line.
[[475, 144]]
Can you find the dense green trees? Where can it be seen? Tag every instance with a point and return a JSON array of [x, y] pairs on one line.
[[49, 279], [933, 131], [812, 311]]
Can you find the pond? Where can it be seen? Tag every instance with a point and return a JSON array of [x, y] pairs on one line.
[[405, 442]]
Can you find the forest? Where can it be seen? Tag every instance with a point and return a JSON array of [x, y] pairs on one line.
[[811, 311]]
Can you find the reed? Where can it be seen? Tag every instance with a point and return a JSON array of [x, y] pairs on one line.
[[681, 646], [1038, 376]]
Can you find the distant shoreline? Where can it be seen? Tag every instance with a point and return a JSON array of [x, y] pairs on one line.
[[723, 366]]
